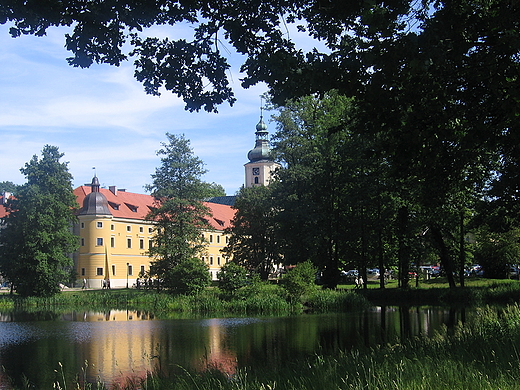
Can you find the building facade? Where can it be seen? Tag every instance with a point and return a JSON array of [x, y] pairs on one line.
[[115, 236]]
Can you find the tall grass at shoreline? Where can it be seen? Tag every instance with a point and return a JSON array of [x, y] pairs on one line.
[[265, 299]]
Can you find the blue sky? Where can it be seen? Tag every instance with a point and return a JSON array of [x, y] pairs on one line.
[[101, 117]]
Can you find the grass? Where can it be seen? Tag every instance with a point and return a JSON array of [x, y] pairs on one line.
[[270, 299]]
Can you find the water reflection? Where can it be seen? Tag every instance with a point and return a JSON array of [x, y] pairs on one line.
[[121, 344]]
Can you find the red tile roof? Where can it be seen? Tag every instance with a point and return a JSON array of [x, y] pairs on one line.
[[3, 212], [130, 205]]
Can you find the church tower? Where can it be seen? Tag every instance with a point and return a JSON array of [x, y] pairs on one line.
[[260, 166]]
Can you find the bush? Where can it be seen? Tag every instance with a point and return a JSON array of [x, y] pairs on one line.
[[189, 277], [300, 280], [336, 301], [231, 277]]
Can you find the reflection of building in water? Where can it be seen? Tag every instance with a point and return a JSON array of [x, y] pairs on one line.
[[120, 348], [111, 315], [219, 356]]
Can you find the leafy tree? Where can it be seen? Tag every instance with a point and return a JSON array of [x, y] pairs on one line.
[[332, 192], [252, 243], [179, 215], [300, 280], [214, 189], [189, 277], [231, 277], [435, 82], [496, 252], [196, 67], [7, 186], [37, 240]]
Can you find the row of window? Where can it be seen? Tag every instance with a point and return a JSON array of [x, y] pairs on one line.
[[99, 225], [100, 270], [211, 262], [218, 239], [100, 242]]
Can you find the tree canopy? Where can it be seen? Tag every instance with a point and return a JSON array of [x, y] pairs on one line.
[[377, 45], [180, 214], [36, 241], [7, 186], [435, 84], [253, 243]]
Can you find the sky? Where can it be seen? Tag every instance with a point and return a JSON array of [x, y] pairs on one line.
[[101, 117]]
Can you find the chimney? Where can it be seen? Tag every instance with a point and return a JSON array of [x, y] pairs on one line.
[[113, 189]]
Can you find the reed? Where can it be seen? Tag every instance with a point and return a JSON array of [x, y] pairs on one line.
[[322, 301]]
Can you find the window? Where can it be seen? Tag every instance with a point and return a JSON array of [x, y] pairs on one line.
[[218, 239], [112, 227], [99, 241], [99, 271], [112, 242], [142, 270], [83, 225], [129, 228], [129, 243], [83, 272], [211, 260], [99, 225], [141, 229], [150, 244], [256, 179], [113, 270], [211, 238], [227, 240], [218, 260], [150, 230], [141, 244], [82, 242], [130, 270]]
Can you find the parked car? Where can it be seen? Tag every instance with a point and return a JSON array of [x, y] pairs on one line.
[[350, 276]]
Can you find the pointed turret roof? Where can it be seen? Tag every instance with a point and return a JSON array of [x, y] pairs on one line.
[[262, 150], [95, 203]]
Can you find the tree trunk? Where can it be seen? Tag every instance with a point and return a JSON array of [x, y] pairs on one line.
[[446, 260], [380, 249], [403, 251], [462, 253]]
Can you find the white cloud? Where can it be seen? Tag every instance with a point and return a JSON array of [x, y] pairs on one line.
[[102, 117]]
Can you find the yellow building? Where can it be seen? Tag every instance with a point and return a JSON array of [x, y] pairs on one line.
[[115, 236]]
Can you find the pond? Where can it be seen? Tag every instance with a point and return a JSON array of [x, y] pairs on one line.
[[115, 345]]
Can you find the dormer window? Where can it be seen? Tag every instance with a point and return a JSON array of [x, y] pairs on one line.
[[132, 207], [115, 206]]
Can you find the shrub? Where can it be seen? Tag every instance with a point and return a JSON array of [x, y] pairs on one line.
[[231, 277], [336, 301], [189, 277], [300, 280]]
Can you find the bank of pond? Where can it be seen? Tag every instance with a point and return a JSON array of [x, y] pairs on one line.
[[433, 338]]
